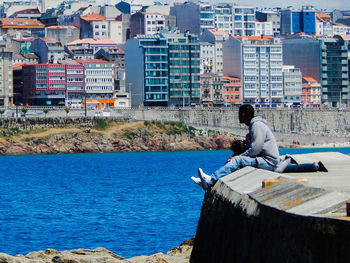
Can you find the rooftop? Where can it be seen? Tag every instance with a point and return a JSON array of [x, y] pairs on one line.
[[92, 41], [92, 61], [20, 23], [309, 79], [93, 17], [61, 27], [218, 32], [255, 38]]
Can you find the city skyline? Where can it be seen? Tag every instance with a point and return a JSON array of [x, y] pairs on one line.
[[322, 4]]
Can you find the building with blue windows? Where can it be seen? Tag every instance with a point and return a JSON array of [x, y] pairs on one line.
[[325, 60], [298, 21], [163, 69]]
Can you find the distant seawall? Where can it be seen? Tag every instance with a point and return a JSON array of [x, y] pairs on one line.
[[306, 122], [284, 121]]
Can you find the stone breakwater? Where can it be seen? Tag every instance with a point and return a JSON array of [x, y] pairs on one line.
[[180, 254], [118, 137]]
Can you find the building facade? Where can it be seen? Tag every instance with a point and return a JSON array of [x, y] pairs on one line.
[[325, 60], [217, 38], [273, 16], [211, 90], [207, 57], [257, 61], [99, 83], [48, 50], [311, 94], [231, 91], [297, 21], [6, 82], [163, 69], [44, 84], [292, 85], [20, 25]]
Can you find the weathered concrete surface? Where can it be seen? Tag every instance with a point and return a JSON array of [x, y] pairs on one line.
[[285, 222]]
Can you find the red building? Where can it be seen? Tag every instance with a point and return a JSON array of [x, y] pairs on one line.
[[232, 90], [311, 96], [46, 84]]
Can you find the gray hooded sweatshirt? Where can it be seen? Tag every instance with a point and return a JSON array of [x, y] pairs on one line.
[[262, 142]]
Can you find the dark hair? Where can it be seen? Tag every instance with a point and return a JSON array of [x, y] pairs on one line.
[[238, 147], [248, 110]]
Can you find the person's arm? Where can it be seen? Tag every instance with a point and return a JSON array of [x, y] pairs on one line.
[[257, 139]]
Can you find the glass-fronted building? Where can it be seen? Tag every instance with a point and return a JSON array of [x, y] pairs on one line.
[[163, 69]]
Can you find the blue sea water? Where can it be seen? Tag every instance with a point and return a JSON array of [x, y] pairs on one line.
[[130, 203]]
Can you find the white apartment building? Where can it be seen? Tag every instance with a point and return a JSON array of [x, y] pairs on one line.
[[216, 37], [263, 28], [243, 21], [207, 57], [234, 20], [292, 85], [146, 23], [257, 61], [99, 83], [340, 29]]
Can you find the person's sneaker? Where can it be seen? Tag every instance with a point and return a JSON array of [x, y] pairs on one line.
[[206, 179], [321, 167], [197, 180]]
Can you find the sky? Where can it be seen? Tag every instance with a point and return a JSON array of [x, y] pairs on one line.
[[319, 4]]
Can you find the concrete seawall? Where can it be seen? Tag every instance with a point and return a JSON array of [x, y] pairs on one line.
[[286, 222], [283, 121]]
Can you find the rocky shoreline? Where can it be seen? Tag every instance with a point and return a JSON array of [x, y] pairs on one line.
[[120, 137], [123, 137], [180, 254]]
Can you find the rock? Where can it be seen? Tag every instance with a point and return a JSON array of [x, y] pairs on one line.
[[179, 254]]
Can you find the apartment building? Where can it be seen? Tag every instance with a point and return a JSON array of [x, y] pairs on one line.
[[6, 84], [292, 85], [75, 92], [44, 84], [48, 50], [295, 21], [211, 90], [146, 23], [243, 21], [196, 18], [98, 27], [207, 57], [163, 69], [21, 25], [231, 91], [216, 37], [263, 28], [63, 34], [273, 16], [311, 93], [99, 83], [257, 61], [87, 48], [325, 60]]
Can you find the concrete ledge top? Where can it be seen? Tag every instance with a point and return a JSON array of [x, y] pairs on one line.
[[325, 194]]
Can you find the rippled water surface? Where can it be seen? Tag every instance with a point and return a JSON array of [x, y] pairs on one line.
[[129, 203]]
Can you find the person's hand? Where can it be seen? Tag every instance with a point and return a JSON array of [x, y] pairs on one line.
[[229, 159]]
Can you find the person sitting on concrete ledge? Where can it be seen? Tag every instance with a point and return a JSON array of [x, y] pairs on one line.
[[262, 151], [286, 165]]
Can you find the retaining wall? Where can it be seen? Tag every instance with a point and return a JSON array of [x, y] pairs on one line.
[[286, 222]]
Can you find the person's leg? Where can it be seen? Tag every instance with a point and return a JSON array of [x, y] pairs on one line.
[[301, 168], [236, 163]]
